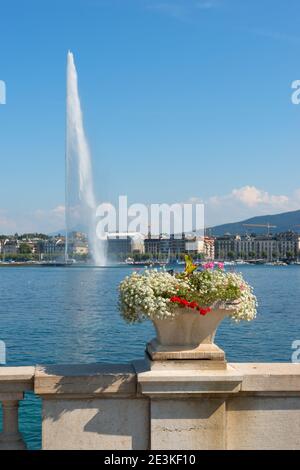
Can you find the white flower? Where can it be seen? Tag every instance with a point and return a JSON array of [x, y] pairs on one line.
[[147, 295]]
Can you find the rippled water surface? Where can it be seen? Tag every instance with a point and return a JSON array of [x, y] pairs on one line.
[[70, 315]]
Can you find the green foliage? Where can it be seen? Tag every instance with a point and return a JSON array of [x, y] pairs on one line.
[[24, 248], [21, 257], [41, 236], [204, 285]]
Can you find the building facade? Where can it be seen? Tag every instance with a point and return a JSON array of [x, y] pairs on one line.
[[122, 244], [283, 245], [209, 248], [167, 246], [10, 247]]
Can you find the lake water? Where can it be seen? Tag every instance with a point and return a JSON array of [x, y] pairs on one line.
[[70, 315]]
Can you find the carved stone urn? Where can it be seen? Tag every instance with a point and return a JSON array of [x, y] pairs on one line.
[[189, 328], [189, 335]]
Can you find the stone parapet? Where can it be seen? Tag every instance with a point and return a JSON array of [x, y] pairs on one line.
[[137, 406], [163, 406]]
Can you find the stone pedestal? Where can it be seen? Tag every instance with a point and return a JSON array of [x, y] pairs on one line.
[[187, 341], [204, 356], [187, 405]]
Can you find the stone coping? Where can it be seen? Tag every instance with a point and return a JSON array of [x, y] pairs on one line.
[[85, 379], [268, 368], [271, 377], [16, 380], [88, 380], [189, 382], [18, 373]]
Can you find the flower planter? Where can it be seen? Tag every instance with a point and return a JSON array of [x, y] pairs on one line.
[[190, 335], [189, 329], [175, 302]]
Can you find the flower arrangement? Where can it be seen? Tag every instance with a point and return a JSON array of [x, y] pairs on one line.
[[156, 294]]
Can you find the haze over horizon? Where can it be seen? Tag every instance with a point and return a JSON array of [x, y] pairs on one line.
[[183, 101]]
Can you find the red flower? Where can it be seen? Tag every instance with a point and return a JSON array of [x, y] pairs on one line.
[[204, 311], [193, 305]]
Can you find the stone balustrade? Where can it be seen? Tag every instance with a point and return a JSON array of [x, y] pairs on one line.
[[245, 406], [98, 406]]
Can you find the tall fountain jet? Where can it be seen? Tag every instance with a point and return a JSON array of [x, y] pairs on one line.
[[80, 196]]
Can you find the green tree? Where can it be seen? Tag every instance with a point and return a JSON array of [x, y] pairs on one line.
[[24, 249]]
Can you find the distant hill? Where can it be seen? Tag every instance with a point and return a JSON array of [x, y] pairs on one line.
[[77, 228], [284, 221]]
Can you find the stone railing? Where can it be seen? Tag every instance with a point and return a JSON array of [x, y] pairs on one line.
[[245, 406], [14, 381], [97, 406]]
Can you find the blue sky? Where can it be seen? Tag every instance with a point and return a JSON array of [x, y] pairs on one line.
[[182, 99]]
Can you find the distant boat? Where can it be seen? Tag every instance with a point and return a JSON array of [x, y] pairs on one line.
[[275, 263], [131, 262], [67, 262]]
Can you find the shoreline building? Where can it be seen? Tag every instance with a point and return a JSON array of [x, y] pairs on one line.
[[174, 247], [10, 246], [165, 245], [204, 246], [124, 243], [268, 247]]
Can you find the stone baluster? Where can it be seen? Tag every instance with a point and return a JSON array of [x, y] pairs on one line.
[[14, 382], [11, 438]]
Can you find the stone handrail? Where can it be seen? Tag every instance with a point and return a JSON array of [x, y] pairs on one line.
[[14, 381]]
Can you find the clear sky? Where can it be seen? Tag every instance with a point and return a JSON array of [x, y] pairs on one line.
[[182, 99]]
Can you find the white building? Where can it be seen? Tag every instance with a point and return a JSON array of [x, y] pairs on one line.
[[195, 247], [203, 245], [279, 246]]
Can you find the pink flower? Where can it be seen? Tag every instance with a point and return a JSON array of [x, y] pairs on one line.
[[220, 265], [208, 265]]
